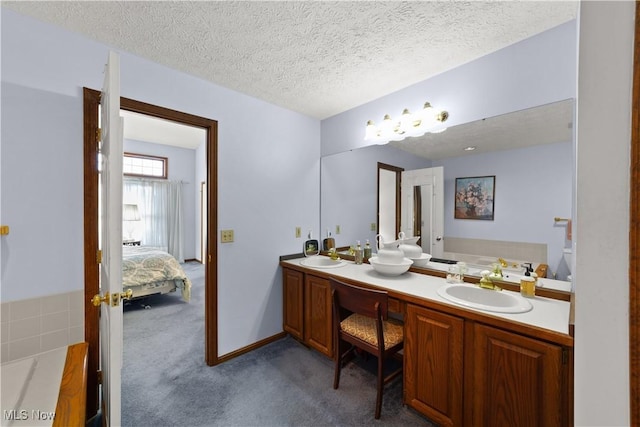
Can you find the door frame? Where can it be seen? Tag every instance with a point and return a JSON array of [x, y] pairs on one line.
[[634, 234], [397, 197], [91, 102]]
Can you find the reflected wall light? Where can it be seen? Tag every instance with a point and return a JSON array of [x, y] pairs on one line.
[[426, 120]]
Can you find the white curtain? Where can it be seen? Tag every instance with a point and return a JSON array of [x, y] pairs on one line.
[[160, 206], [175, 242]]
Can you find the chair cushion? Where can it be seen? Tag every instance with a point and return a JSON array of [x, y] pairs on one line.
[[364, 328]]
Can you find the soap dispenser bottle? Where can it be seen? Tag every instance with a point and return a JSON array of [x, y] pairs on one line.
[[359, 253], [367, 250]]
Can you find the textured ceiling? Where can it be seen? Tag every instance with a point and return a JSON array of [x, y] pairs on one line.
[[318, 58], [141, 127]]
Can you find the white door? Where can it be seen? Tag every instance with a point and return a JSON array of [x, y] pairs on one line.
[[429, 183], [111, 241]]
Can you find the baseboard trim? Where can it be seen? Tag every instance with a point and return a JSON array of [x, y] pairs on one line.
[[251, 347]]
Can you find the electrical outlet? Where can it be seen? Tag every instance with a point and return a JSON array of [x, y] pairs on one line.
[[298, 232], [337, 229], [226, 236], [374, 226]]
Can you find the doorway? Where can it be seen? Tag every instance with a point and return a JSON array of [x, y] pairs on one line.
[[91, 102]]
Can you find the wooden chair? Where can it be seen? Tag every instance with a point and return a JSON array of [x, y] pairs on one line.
[[360, 318]]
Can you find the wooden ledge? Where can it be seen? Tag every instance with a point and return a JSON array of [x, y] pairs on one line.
[[71, 407]]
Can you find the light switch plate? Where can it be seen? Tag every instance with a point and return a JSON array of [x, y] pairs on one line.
[[226, 236]]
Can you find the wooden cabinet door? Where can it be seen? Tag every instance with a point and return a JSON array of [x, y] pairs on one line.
[[518, 381], [433, 371], [317, 314], [293, 294]]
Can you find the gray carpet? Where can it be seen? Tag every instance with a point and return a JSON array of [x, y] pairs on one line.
[[165, 381]]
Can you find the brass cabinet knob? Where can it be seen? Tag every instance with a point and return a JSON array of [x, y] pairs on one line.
[[127, 294]]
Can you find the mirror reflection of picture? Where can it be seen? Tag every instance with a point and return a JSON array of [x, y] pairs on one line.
[[474, 197]]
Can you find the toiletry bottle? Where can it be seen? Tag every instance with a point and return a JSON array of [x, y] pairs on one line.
[[462, 270], [367, 250], [358, 253], [311, 246], [329, 242]]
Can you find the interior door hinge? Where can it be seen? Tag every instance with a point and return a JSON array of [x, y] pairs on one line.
[[98, 135], [99, 256], [99, 377]]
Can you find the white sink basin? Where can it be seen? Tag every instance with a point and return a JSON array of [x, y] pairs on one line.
[[485, 299], [319, 261]]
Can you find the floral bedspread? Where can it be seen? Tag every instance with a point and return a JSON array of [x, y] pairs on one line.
[[142, 265]]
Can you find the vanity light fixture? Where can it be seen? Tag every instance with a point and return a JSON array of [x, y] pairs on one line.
[[470, 148], [427, 120]]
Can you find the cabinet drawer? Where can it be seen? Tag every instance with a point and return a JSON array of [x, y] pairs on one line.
[[395, 306]]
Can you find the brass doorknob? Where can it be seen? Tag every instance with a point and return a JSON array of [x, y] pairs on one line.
[[113, 300], [97, 299]]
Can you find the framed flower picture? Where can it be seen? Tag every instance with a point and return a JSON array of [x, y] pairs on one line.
[[474, 197]]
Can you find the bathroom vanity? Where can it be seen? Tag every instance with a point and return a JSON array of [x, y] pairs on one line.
[[462, 365]]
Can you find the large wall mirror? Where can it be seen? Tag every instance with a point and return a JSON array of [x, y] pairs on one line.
[[530, 153]]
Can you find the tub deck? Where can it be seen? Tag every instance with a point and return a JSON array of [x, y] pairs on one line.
[[47, 389]]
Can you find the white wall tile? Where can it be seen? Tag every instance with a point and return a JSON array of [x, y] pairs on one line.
[[55, 303], [4, 353], [23, 309], [5, 311], [54, 340], [23, 348], [54, 322], [76, 334], [4, 332], [76, 317], [35, 325], [24, 328]]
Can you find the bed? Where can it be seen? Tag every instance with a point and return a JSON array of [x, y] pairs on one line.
[[148, 270]]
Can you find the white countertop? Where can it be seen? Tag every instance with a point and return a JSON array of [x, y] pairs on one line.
[[547, 313]]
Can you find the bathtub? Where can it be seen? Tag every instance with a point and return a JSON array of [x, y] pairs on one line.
[[46, 389]]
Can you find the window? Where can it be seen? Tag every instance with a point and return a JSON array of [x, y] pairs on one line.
[[144, 165]]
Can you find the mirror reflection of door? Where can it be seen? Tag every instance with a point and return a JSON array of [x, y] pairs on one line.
[[422, 196], [422, 208], [388, 201]]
